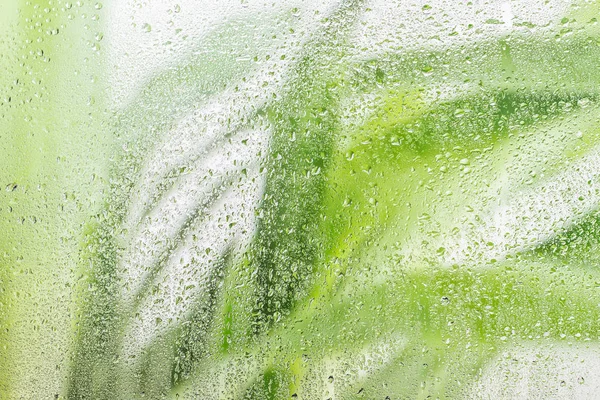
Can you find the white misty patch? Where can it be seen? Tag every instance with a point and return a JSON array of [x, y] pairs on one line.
[[534, 214], [390, 26], [227, 226], [194, 203], [208, 172], [228, 168], [207, 214], [207, 151], [507, 14], [155, 35], [522, 192], [551, 373], [341, 373]]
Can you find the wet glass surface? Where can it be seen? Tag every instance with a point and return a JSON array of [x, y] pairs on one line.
[[299, 199]]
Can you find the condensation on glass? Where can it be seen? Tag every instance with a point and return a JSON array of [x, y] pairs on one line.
[[299, 199]]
